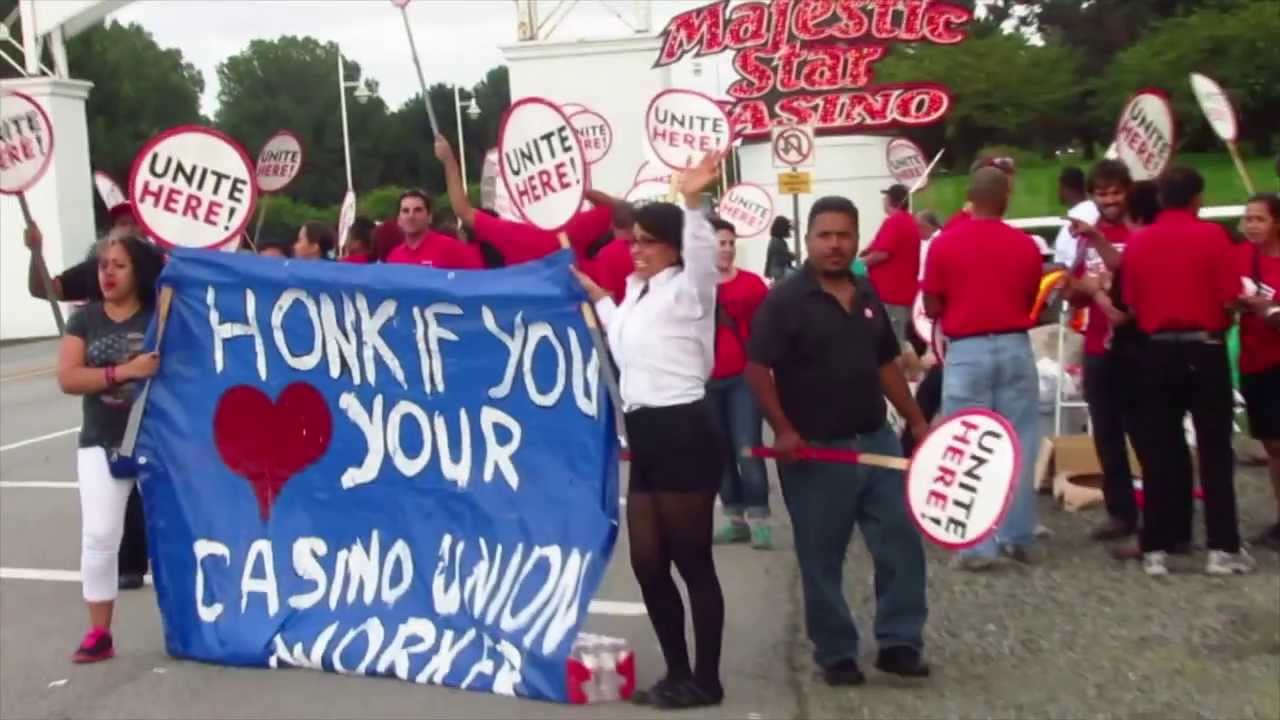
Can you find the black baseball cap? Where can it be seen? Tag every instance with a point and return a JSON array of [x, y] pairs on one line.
[[897, 193]]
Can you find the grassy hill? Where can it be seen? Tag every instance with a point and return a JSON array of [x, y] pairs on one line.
[[1036, 187]]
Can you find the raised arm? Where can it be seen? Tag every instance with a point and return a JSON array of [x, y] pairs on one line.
[[700, 246], [458, 199]]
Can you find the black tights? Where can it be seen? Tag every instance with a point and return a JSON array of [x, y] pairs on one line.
[[666, 528]]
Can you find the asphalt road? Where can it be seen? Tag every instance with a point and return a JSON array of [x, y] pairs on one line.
[[1078, 635]]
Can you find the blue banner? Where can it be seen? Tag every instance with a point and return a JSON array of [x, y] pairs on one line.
[[382, 470]]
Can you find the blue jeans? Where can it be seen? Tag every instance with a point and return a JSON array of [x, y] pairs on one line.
[[744, 487], [998, 373], [826, 501]]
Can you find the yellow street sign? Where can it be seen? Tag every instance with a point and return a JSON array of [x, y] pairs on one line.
[[794, 183]]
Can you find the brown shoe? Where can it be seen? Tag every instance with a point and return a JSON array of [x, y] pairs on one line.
[[1129, 551], [1113, 529]]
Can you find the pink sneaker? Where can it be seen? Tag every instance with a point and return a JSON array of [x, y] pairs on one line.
[[96, 647]]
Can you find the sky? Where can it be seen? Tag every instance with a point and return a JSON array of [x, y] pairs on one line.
[[458, 40]]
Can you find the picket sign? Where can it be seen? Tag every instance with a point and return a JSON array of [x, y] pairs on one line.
[[1146, 135], [1222, 117], [108, 190], [749, 207], [907, 163], [346, 216], [279, 162], [960, 480], [546, 175], [683, 126], [193, 186], [594, 132], [26, 149]]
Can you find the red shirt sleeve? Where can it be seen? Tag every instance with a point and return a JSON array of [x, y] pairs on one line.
[[757, 291], [586, 227], [1228, 270], [457, 255], [934, 270], [517, 242]]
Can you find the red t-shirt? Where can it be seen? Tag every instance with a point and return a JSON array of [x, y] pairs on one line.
[[961, 217], [1180, 274], [610, 267], [895, 278], [739, 299], [355, 258], [986, 274], [1259, 343], [437, 250], [1097, 333]]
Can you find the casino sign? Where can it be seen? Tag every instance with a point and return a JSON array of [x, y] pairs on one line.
[[811, 62]]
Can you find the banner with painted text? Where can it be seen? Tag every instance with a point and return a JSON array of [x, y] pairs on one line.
[[381, 470]]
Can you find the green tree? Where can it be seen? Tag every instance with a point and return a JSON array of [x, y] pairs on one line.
[[139, 89], [1004, 90], [1236, 46], [292, 83]]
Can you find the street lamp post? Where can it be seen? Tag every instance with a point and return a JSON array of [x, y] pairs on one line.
[[361, 94], [473, 112]]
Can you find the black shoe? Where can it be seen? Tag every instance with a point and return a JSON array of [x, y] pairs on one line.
[[130, 581], [1113, 529], [1269, 538], [844, 674], [902, 660], [687, 694]]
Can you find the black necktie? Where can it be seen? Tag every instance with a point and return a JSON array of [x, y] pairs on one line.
[[643, 291]]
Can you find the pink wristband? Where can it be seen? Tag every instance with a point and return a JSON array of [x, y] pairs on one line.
[[111, 374]]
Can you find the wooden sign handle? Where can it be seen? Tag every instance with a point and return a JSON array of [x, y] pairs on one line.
[[602, 352], [134, 423], [846, 457], [1240, 168], [43, 270]]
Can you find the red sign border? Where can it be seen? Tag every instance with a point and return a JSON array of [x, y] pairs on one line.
[[728, 122], [889, 145], [502, 160], [179, 130], [808, 156], [1173, 123], [588, 111], [763, 189], [302, 158], [48, 156]]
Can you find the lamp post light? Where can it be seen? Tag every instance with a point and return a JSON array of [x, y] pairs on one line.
[[361, 95], [473, 112]]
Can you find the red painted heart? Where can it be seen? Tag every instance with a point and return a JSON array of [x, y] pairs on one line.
[[267, 443]]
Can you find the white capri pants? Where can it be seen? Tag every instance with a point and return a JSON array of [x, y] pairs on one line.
[[103, 499]]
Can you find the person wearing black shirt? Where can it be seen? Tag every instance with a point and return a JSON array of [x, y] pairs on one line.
[[822, 361], [79, 283]]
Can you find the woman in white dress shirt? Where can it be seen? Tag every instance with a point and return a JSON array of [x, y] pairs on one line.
[[662, 339]]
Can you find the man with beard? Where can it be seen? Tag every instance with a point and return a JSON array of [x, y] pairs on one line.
[[1109, 341], [822, 360]]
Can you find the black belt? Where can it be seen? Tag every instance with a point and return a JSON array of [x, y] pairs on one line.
[[1188, 336], [993, 333]]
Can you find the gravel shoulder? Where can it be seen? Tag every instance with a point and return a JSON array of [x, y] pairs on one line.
[[1079, 635]]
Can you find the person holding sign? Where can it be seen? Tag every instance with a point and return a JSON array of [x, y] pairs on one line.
[[662, 337], [980, 284], [1260, 337], [893, 259], [1180, 278], [744, 491], [822, 360], [423, 246], [101, 359]]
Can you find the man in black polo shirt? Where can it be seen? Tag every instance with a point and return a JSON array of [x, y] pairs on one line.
[[822, 361]]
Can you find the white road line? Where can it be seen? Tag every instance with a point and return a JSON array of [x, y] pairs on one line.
[[38, 484], [42, 438], [597, 607]]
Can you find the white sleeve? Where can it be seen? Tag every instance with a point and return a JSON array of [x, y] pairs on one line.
[[1064, 247], [700, 259], [605, 310]]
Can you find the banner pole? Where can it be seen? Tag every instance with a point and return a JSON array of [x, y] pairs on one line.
[[42, 269], [342, 102], [606, 366]]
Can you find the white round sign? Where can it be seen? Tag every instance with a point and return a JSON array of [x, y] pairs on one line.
[[279, 161], [682, 126], [962, 478], [26, 142], [543, 167], [649, 171], [594, 132], [907, 162], [108, 190], [921, 321], [193, 186], [749, 207], [1216, 106], [1144, 135], [648, 191]]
